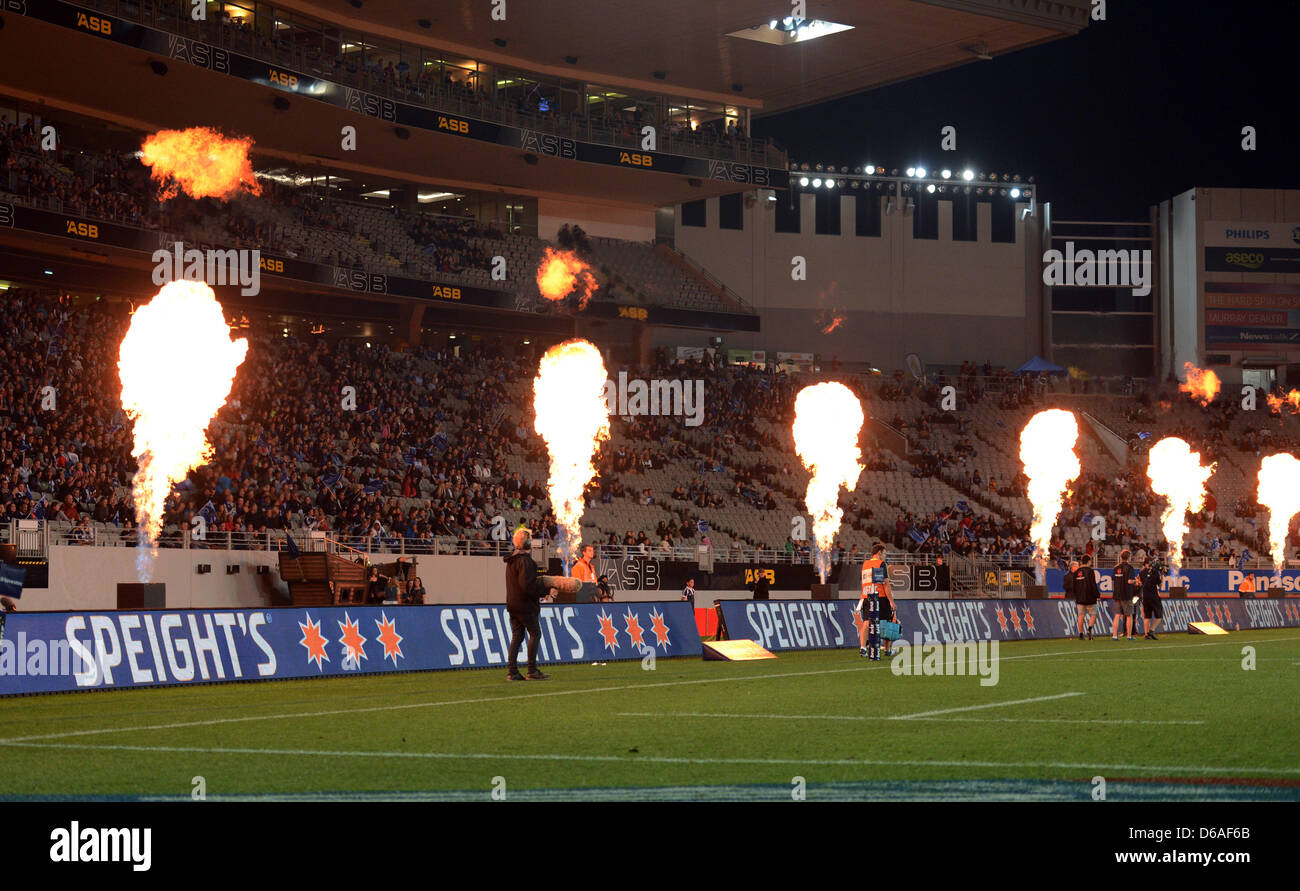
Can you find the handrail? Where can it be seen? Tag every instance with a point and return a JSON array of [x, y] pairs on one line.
[[66, 534]]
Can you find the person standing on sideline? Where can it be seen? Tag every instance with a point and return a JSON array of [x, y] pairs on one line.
[[1124, 596], [688, 593], [1086, 595], [523, 601], [582, 570], [875, 581], [1153, 611]]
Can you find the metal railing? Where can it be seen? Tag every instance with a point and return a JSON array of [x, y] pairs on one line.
[[174, 18]]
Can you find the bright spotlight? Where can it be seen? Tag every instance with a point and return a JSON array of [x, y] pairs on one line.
[[1015, 193], [920, 173], [803, 181], [930, 188], [946, 173], [830, 184], [817, 183], [968, 175], [911, 171]]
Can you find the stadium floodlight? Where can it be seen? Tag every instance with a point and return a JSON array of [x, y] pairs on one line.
[[803, 181], [945, 173], [830, 184], [920, 173], [968, 175], [817, 183], [911, 171], [869, 169], [930, 188], [1015, 193]]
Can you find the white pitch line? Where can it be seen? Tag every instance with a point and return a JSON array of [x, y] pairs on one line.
[[654, 759], [975, 708], [888, 717], [479, 700]]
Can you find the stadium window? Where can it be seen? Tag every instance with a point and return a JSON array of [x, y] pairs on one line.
[[827, 213], [788, 218], [925, 217], [731, 211], [695, 213], [1070, 329], [1080, 299], [866, 215], [1004, 221], [965, 218]]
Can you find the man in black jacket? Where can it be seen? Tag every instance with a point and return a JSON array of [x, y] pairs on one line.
[[523, 593], [1083, 586]]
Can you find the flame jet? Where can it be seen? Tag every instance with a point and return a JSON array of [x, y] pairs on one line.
[[1047, 452], [177, 364], [827, 421], [573, 418]]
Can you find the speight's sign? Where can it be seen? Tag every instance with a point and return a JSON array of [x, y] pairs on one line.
[[52, 652]]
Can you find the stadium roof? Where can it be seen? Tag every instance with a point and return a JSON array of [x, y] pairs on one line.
[[624, 42]]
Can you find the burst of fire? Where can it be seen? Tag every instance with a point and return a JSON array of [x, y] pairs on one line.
[[1291, 399], [827, 420], [562, 273], [1279, 491], [1201, 384], [199, 161], [1177, 474], [181, 328], [1047, 452], [572, 417], [835, 323]]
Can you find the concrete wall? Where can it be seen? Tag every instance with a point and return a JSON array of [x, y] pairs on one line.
[[606, 221], [86, 578], [945, 300]]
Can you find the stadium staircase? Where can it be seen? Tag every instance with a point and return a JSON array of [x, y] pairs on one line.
[[323, 579], [703, 278]]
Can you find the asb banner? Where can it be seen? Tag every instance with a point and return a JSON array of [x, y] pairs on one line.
[[1198, 581], [813, 625], [52, 652]]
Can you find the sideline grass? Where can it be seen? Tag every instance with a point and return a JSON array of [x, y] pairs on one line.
[[1178, 717]]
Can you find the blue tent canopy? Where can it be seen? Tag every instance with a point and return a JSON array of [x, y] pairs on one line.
[[1039, 365]]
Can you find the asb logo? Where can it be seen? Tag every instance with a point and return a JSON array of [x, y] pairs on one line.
[[446, 292], [270, 265], [94, 23], [84, 230], [638, 313], [455, 125], [283, 79], [635, 159]]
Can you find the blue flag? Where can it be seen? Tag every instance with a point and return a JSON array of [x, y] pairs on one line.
[[12, 579], [918, 536], [291, 546], [209, 513]]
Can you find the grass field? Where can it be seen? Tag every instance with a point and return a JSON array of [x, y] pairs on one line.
[[1177, 718]]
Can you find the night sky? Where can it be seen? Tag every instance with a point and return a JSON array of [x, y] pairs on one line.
[[1128, 113]]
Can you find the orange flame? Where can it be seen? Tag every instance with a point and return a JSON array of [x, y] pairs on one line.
[[1177, 474], [1279, 491], [1291, 399], [201, 162], [572, 417], [835, 323], [182, 327], [1047, 452], [827, 420], [1201, 384], [563, 273]]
